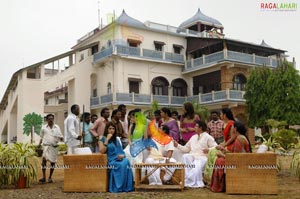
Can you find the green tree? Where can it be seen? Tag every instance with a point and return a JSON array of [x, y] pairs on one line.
[[202, 111], [32, 124], [256, 96], [284, 98], [273, 94]]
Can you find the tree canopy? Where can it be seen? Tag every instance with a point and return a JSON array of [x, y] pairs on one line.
[[273, 94]]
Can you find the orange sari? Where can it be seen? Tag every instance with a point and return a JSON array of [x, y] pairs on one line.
[[240, 145], [226, 133]]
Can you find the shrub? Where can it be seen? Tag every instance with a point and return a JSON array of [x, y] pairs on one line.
[[285, 138]]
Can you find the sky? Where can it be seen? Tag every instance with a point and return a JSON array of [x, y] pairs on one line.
[[34, 30]]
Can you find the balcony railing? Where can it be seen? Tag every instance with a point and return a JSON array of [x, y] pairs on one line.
[[136, 99], [228, 55], [140, 53]]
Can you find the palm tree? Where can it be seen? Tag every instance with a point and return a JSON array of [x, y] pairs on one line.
[[32, 123]]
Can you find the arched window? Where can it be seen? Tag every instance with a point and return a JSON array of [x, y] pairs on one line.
[[109, 88], [239, 82], [94, 92], [179, 87], [160, 86]]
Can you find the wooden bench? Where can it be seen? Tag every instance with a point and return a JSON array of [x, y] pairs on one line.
[[85, 173], [251, 173], [177, 178]]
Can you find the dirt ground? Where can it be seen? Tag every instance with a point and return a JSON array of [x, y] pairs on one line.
[[289, 187]]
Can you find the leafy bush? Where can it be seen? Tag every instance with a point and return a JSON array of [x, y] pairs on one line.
[[285, 138]]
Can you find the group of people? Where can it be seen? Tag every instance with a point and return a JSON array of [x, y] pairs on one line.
[[127, 139]]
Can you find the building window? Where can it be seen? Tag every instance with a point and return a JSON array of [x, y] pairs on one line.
[[81, 57], [94, 92], [159, 45], [94, 49], [133, 42], [94, 85], [109, 88], [160, 86], [177, 48], [239, 82], [179, 87], [46, 102], [34, 73], [134, 87]]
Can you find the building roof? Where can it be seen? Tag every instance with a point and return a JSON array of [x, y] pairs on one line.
[[202, 18], [126, 20], [263, 43]]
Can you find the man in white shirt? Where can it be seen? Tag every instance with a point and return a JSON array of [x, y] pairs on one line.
[[72, 130], [50, 136], [197, 148]]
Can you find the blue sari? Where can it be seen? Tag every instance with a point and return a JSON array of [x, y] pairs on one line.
[[119, 172]]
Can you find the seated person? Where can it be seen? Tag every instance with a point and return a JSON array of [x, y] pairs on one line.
[[120, 177], [162, 155], [241, 144], [197, 148]]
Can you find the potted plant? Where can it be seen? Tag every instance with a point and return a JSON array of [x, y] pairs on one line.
[[18, 165], [295, 163]]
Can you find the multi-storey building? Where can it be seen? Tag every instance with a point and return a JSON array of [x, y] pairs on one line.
[[135, 63]]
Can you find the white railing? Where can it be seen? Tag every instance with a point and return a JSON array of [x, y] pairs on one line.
[[133, 98], [231, 56]]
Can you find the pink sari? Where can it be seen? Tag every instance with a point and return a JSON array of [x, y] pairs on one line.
[[218, 176]]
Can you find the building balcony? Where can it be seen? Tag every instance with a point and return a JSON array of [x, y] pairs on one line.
[[214, 97], [227, 55], [140, 53]]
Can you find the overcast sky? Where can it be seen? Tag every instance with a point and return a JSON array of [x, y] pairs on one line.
[[34, 30]]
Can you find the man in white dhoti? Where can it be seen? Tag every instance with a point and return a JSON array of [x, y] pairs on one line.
[[72, 130], [197, 148], [162, 155], [50, 136]]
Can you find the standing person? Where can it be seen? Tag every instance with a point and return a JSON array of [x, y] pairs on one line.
[[158, 120], [86, 125], [215, 127], [94, 117], [188, 121], [115, 119], [171, 123], [124, 123], [119, 172], [50, 136], [72, 130], [98, 127], [229, 137], [197, 148]]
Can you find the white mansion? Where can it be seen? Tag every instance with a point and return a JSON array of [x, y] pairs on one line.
[[135, 63]]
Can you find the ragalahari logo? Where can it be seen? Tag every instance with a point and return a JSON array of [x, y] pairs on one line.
[[278, 7]]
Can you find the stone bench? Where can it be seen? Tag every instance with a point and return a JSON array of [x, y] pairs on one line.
[[85, 173], [177, 179], [251, 173]]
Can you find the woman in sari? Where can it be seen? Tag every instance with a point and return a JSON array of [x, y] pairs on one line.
[[120, 176], [241, 144], [188, 122], [227, 117], [171, 123]]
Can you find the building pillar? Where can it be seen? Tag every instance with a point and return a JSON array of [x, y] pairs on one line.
[[198, 27]]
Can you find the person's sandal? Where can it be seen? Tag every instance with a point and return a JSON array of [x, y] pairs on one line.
[[42, 180], [50, 180]]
